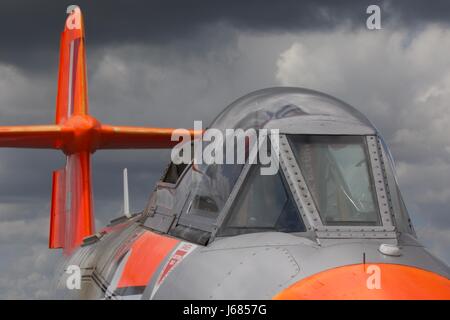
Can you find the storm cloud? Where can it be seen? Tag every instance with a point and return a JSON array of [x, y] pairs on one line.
[[168, 63], [32, 30]]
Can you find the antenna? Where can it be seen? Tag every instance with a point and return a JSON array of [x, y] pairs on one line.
[[126, 200]]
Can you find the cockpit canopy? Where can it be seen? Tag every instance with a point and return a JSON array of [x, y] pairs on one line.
[[335, 179], [293, 110]]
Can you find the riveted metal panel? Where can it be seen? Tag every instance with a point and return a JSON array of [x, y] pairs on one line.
[[401, 218], [232, 273], [298, 187], [321, 124], [310, 213], [380, 180], [377, 234]]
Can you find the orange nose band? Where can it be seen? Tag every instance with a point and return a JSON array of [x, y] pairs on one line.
[[370, 281]]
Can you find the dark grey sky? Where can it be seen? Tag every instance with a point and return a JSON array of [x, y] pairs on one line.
[[169, 63], [30, 28]]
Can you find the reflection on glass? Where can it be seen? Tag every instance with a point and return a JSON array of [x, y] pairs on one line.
[[263, 204], [211, 184], [212, 187], [338, 177]]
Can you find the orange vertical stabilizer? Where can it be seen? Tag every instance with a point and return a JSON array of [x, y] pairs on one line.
[[78, 135]]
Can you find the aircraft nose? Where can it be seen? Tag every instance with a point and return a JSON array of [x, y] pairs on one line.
[[370, 282]]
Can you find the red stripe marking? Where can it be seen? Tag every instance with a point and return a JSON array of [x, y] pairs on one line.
[[147, 253]]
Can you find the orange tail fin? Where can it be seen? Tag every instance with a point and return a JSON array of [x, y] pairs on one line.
[[78, 135], [72, 84], [72, 218]]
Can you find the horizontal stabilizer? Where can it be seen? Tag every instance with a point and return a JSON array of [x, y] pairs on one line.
[[121, 137], [45, 136], [78, 135], [72, 137]]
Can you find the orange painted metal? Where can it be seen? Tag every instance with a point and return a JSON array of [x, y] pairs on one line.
[[78, 135], [72, 79], [122, 137], [147, 253], [63, 80], [42, 136], [85, 133], [57, 212], [71, 216], [80, 218], [353, 282]]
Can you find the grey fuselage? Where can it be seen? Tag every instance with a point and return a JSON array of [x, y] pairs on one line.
[[171, 251]]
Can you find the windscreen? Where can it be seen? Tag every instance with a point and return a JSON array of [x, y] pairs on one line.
[[338, 175], [264, 203]]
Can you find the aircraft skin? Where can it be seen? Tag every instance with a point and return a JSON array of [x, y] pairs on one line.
[[198, 241]]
